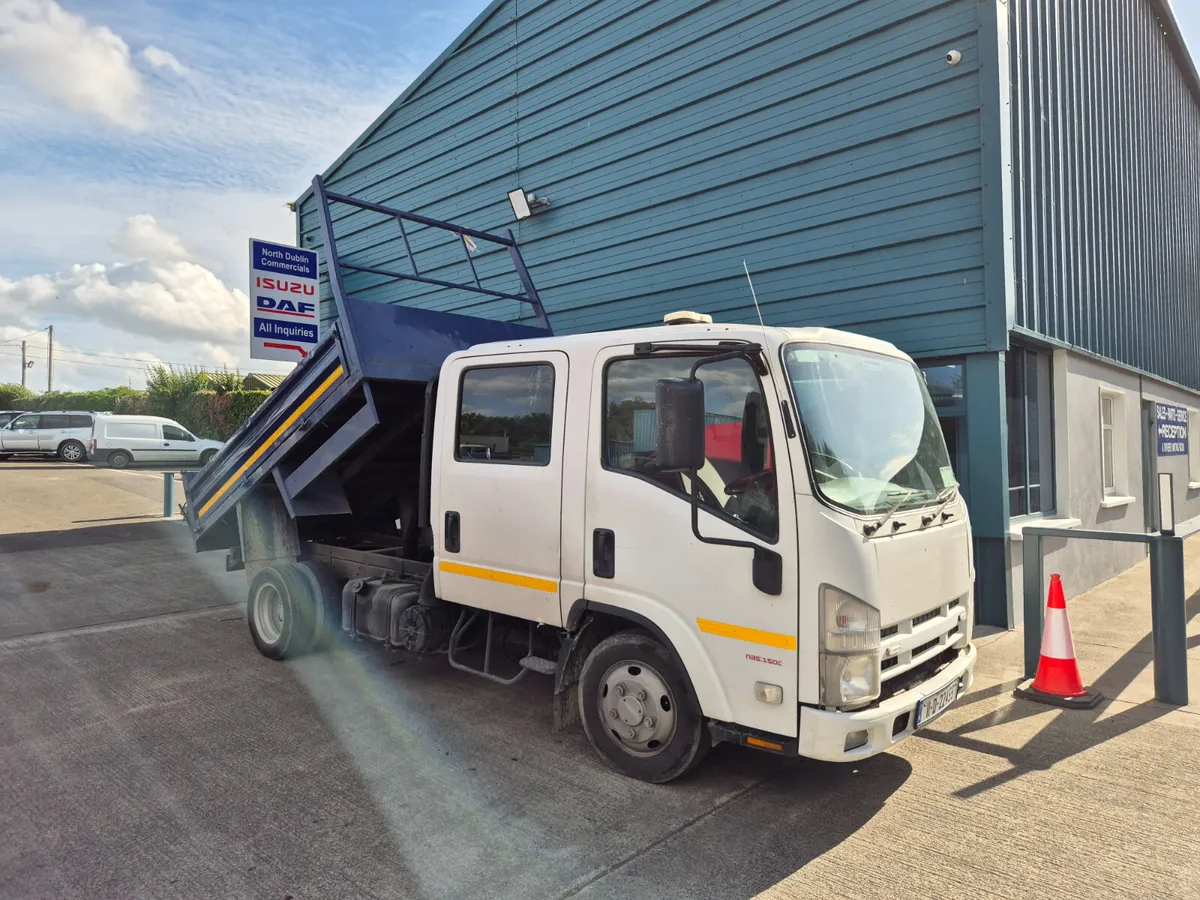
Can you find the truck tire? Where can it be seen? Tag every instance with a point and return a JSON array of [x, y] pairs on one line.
[[327, 603], [72, 451], [639, 710], [119, 459], [281, 611]]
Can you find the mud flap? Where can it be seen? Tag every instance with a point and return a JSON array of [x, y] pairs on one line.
[[574, 651]]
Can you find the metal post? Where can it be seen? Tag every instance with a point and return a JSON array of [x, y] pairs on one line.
[[168, 494], [1168, 620], [1031, 577], [50, 363], [24, 362]]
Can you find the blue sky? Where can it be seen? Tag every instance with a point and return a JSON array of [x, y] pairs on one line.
[[144, 142]]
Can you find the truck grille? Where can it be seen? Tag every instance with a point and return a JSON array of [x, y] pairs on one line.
[[910, 642]]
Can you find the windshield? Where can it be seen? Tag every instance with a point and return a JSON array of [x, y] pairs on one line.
[[871, 430]]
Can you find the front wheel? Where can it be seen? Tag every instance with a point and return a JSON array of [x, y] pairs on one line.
[[71, 451], [639, 710]]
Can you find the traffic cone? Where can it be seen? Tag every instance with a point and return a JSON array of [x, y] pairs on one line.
[[1057, 681]]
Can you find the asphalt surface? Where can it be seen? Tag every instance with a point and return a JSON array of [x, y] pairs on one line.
[[147, 750]]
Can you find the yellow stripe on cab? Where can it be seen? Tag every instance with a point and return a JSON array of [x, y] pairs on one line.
[[287, 423], [525, 581], [750, 635]]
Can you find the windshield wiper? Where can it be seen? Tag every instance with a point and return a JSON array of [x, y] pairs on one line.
[[873, 527], [945, 495]]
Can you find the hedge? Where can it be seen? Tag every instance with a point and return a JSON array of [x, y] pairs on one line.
[[208, 414]]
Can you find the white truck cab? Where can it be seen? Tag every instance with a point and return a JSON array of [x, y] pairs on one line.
[[774, 508]]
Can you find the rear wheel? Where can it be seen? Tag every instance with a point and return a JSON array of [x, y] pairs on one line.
[[281, 611], [119, 459], [71, 451], [639, 710], [207, 456]]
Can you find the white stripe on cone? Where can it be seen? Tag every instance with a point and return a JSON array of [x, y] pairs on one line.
[[1057, 642]]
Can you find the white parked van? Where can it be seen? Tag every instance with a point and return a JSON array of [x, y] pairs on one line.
[[121, 440]]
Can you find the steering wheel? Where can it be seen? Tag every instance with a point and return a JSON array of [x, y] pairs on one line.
[[741, 485]]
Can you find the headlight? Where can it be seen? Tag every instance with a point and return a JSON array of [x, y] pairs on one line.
[[849, 649], [847, 624]]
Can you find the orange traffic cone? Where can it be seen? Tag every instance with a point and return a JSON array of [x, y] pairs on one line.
[[1057, 681]]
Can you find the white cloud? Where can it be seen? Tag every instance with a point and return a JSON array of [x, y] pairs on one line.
[[161, 59], [163, 295], [143, 238], [60, 55]]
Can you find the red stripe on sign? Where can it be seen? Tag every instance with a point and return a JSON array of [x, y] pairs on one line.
[[298, 349], [282, 312]]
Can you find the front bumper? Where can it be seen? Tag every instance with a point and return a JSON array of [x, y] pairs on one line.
[[823, 732]]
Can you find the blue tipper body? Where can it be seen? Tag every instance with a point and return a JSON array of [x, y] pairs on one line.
[[376, 359]]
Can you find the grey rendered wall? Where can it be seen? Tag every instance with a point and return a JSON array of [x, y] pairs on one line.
[[1106, 118], [827, 142], [1084, 564]]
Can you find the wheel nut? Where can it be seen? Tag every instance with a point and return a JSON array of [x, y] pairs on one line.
[[641, 695], [648, 722], [620, 690], [612, 713], [630, 733]]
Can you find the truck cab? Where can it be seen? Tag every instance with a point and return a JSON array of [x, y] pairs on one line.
[[811, 439]]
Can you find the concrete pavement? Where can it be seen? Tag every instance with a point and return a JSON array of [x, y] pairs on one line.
[[149, 751]]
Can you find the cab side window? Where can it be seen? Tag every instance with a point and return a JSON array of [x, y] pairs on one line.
[[738, 479], [55, 422], [505, 414], [171, 433], [25, 422]]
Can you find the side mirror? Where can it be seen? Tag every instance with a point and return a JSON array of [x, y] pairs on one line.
[[680, 426]]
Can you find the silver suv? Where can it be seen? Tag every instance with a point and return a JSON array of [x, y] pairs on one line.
[[61, 434]]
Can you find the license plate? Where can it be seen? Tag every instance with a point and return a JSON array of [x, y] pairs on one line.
[[936, 704]]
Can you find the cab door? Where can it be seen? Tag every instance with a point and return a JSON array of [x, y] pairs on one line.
[[178, 446], [643, 557], [497, 507]]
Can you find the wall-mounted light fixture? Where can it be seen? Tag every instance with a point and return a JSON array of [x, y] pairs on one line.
[[523, 204]]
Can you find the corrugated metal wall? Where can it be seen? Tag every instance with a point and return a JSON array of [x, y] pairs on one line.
[[826, 141], [1107, 184]]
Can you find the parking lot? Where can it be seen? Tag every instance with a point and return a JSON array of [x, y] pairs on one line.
[[149, 751]]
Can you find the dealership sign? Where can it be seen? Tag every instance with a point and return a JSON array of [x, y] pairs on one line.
[[1172, 427], [284, 305]]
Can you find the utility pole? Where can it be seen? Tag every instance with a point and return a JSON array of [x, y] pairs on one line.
[[50, 362], [24, 363]]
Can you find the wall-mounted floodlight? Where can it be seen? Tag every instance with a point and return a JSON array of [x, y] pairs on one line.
[[523, 204]]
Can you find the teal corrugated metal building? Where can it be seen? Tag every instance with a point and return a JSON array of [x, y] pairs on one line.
[[867, 181]]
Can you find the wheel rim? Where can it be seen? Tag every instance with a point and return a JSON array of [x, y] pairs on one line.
[[71, 452], [119, 460], [638, 708], [268, 613]]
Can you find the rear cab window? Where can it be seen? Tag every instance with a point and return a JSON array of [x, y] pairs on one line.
[[505, 414], [55, 422], [80, 422]]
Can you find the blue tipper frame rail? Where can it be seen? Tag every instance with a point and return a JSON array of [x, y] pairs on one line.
[[1167, 593], [371, 350]]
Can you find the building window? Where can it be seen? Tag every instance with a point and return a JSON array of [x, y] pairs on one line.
[[1030, 432], [737, 481], [1193, 447], [505, 414], [1113, 462]]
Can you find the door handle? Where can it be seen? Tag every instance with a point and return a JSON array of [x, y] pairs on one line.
[[604, 553], [452, 532]]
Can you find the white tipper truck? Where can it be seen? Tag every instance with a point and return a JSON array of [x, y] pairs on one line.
[[702, 532]]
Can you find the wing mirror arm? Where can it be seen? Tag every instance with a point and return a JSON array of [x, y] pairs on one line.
[[681, 448]]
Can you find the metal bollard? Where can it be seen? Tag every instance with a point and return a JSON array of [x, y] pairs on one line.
[[1168, 620], [168, 494]]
